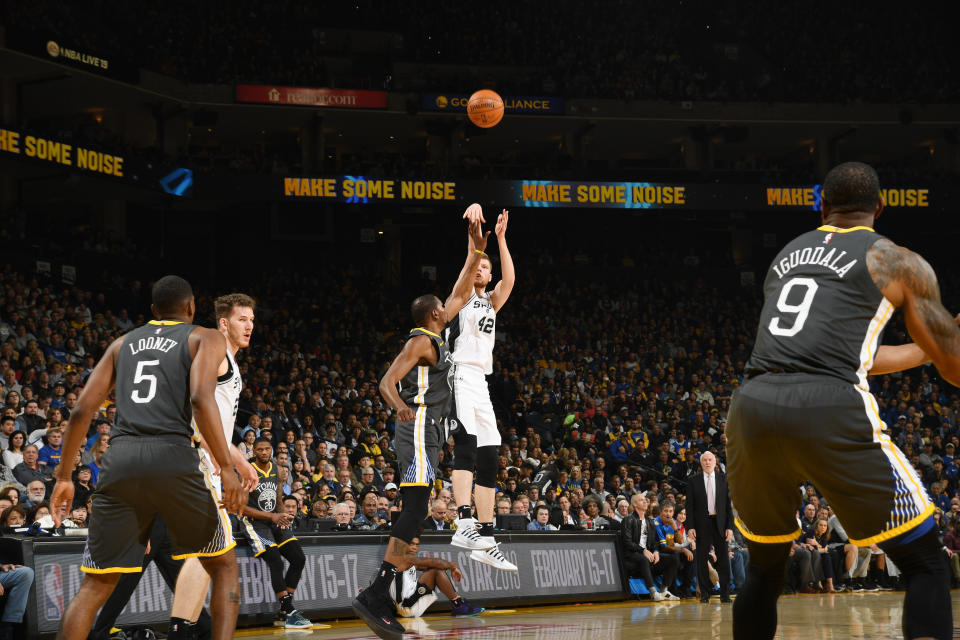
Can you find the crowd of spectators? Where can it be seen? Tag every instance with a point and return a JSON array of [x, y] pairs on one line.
[[605, 390], [678, 51]]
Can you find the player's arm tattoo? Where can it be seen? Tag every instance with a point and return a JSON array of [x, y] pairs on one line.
[[234, 597], [889, 264]]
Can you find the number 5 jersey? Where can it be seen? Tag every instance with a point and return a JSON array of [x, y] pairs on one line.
[[153, 381]]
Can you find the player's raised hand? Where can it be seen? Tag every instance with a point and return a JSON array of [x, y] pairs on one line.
[[61, 500], [477, 236], [501, 227], [474, 213]]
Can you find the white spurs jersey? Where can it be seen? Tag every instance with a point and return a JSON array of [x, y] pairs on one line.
[[471, 334], [227, 394]]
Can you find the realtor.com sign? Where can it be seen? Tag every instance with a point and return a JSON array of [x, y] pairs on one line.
[[312, 97], [334, 573]]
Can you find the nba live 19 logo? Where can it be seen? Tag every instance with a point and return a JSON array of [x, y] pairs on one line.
[[52, 592]]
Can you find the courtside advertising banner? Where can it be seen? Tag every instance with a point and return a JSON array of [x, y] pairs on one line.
[[551, 567]]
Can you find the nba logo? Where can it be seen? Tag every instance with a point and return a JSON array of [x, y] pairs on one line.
[[52, 586], [828, 238]]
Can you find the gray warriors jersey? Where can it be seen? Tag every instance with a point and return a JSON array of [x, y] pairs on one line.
[[153, 381], [266, 495], [429, 386], [822, 312]]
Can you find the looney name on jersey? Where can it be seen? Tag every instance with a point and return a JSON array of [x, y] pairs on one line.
[[153, 342], [814, 255]]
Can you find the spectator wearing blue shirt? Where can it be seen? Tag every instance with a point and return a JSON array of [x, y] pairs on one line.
[[541, 517], [673, 543], [49, 455], [679, 444], [620, 449], [939, 499], [58, 400], [103, 427]]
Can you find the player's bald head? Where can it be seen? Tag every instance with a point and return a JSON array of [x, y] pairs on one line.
[[422, 307]]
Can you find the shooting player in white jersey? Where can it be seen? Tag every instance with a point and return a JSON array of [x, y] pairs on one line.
[[234, 314], [472, 422]]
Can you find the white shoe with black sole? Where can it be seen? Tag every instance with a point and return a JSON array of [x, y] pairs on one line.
[[493, 557], [467, 536]]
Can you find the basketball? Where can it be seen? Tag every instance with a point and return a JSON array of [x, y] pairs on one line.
[[485, 108]]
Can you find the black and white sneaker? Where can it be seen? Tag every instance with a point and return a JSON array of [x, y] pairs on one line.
[[467, 536], [379, 614], [493, 557]]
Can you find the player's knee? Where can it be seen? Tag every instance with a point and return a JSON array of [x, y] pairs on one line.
[[487, 465], [464, 451], [412, 513], [218, 565], [272, 557], [294, 554]]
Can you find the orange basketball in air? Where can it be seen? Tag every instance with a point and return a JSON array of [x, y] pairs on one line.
[[485, 108]]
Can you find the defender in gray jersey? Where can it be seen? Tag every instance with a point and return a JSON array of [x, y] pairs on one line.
[[422, 372], [163, 373], [806, 413]]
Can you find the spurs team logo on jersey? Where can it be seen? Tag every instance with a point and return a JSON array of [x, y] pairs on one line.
[[472, 333]]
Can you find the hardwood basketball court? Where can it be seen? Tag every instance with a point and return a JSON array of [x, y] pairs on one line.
[[857, 616]]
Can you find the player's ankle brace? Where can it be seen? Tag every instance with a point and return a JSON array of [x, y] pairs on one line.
[[464, 512], [180, 629], [286, 603], [486, 528], [385, 575]]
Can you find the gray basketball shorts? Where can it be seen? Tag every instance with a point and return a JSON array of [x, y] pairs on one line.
[[144, 477], [418, 447], [787, 429]]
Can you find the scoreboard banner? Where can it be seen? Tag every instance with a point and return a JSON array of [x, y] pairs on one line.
[[553, 567], [694, 196]]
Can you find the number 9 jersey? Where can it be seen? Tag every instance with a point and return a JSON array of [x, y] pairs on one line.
[[822, 311]]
